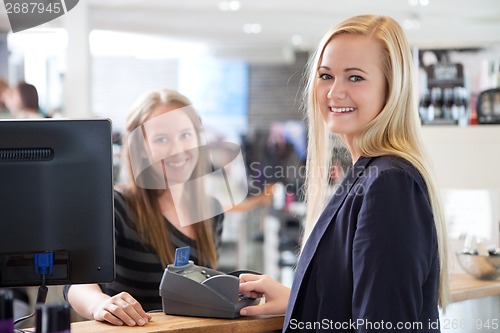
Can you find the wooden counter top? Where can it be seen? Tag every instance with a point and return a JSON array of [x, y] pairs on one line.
[[464, 287], [168, 323]]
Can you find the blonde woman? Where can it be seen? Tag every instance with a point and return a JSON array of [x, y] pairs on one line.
[[374, 258], [152, 219]]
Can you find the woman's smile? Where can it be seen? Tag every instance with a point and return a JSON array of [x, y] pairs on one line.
[[342, 109]]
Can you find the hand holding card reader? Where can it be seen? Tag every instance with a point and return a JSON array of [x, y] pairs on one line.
[[190, 290]]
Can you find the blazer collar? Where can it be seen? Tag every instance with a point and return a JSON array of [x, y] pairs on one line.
[[319, 229]]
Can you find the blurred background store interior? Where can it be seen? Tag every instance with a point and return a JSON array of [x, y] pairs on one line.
[[241, 63]]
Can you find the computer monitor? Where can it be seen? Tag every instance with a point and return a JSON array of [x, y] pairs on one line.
[[56, 202]]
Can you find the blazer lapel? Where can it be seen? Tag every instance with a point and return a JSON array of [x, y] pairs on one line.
[[319, 229]]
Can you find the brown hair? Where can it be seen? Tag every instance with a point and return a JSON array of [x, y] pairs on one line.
[[29, 96], [144, 202]]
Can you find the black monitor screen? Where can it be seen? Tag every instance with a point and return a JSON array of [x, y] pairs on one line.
[[56, 202]]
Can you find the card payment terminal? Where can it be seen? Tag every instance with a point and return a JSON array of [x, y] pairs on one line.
[[190, 290]]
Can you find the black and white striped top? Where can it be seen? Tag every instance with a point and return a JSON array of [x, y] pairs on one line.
[[138, 268]]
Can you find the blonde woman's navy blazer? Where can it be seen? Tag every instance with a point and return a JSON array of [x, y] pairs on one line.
[[371, 262]]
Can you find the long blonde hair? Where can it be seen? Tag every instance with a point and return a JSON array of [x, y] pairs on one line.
[[395, 131], [144, 202]]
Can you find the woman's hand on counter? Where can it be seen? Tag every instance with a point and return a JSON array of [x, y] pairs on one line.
[[121, 309], [255, 286]]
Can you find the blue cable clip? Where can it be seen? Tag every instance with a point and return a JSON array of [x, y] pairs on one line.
[[44, 263]]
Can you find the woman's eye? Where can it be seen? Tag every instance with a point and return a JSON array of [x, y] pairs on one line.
[[186, 135], [325, 76], [355, 78], [160, 139]]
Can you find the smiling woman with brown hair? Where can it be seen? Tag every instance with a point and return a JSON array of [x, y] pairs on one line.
[[151, 218]]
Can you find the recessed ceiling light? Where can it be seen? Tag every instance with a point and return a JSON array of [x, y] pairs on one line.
[[232, 5], [252, 28]]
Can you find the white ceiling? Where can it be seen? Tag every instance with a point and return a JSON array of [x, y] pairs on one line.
[[443, 23]]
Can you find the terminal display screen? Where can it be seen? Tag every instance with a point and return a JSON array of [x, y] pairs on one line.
[[195, 275]]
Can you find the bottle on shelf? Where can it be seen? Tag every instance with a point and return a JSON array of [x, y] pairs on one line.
[[435, 110], [459, 107], [425, 102], [448, 96]]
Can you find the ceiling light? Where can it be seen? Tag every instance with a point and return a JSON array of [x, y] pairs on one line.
[[227, 6], [252, 28], [235, 5]]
